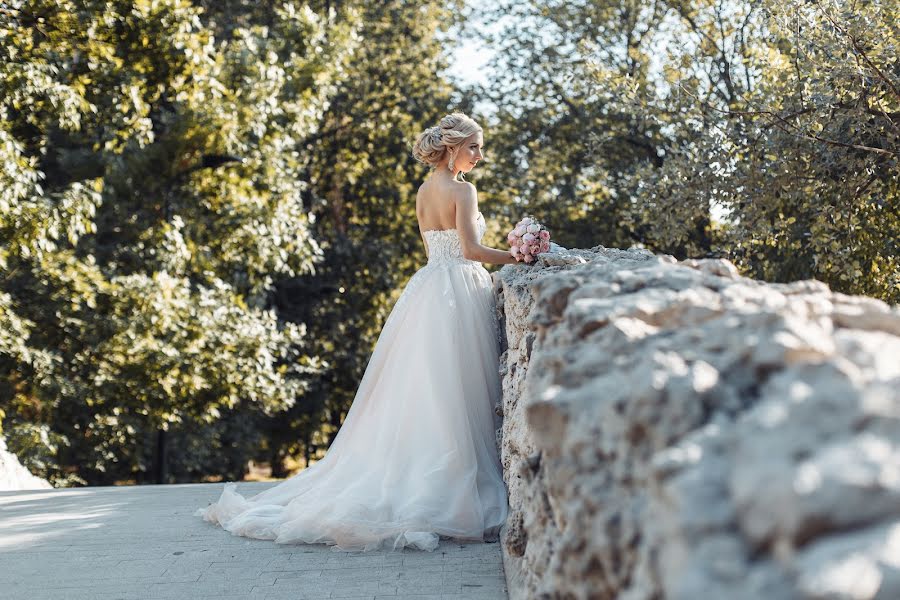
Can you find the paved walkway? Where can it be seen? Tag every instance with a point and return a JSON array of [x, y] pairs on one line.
[[136, 542]]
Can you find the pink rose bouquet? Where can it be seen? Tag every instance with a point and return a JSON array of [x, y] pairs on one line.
[[528, 239]]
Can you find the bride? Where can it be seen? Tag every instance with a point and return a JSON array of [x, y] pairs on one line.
[[416, 456]]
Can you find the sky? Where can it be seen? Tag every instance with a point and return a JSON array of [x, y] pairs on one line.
[[472, 65], [471, 55]]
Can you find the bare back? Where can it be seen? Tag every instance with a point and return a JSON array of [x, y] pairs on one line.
[[436, 204], [444, 204]]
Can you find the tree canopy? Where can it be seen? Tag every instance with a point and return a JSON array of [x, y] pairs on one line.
[[762, 131], [164, 165], [207, 209]]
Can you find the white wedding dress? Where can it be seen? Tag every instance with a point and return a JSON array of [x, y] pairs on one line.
[[416, 456]]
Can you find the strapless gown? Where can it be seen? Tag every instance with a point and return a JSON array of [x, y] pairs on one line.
[[416, 457]]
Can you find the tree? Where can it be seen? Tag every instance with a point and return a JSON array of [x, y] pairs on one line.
[[362, 189], [150, 192], [760, 131]]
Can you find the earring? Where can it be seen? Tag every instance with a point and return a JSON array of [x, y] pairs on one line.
[[450, 163]]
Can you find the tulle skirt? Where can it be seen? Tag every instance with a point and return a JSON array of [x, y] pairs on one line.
[[416, 456]]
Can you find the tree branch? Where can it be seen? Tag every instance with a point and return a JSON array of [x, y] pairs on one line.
[[801, 134], [855, 43]]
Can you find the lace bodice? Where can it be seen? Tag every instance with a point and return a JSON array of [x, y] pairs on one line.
[[444, 246]]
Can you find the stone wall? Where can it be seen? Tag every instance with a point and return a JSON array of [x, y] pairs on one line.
[[674, 430]]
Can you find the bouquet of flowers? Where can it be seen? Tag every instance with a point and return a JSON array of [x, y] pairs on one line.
[[528, 239]]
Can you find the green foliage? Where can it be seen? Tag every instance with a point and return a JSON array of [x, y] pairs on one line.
[[765, 132], [362, 184], [804, 155], [191, 195], [150, 195]]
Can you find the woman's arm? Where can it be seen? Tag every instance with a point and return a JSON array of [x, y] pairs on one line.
[[466, 209]]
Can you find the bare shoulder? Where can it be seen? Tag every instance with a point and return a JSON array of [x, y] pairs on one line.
[[420, 201], [466, 195], [425, 191]]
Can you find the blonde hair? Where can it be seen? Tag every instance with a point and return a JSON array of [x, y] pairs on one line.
[[433, 144]]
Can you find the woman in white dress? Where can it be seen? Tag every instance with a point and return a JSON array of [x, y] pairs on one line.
[[416, 456]]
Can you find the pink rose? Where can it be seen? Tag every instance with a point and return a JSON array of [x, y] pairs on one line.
[[528, 258], [528, 238], [545, 235], [519, 230], [514, 250], [545, 246]]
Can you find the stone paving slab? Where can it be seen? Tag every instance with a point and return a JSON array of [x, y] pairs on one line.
[[144, 542]]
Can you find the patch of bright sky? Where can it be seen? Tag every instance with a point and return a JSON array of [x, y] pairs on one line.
[[470, 54], [471, 61]]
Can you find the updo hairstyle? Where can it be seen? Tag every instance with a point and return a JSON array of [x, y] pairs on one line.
[[434, 143]]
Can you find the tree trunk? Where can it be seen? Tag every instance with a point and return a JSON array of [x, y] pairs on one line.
[[160, 468]]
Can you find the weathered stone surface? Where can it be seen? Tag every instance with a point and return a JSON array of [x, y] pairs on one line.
[[674, 430], [14, 476]]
